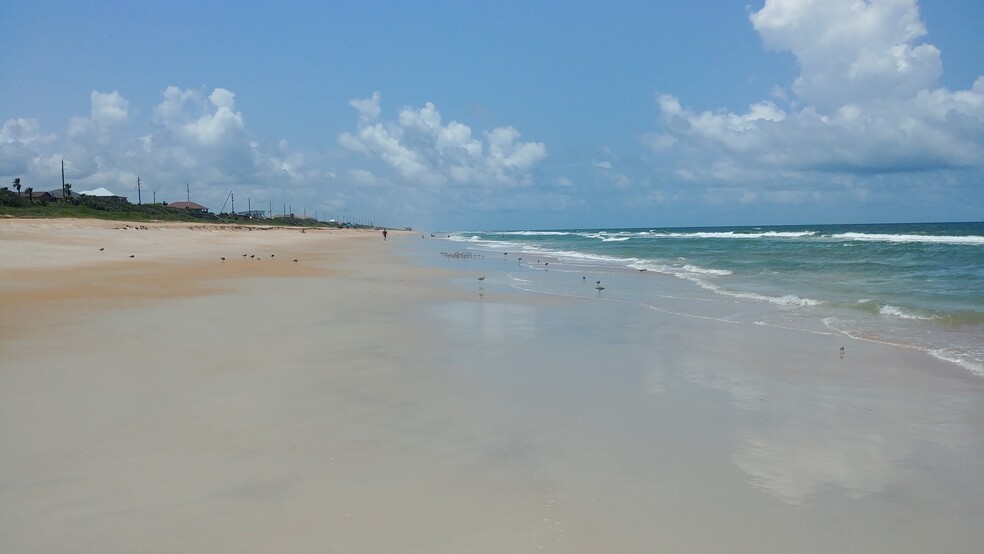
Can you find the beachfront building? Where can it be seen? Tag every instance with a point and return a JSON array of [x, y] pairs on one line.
[[190, 206], [103, 193], [253, 214], [59, 194], [37, 196]]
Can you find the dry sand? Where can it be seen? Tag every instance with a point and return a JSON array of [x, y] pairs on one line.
[[359, 401]]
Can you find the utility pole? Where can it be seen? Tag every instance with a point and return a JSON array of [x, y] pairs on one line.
[[188, 191], [233, 196], [155, 197], [249, 204], [138, 190], [63, 178]]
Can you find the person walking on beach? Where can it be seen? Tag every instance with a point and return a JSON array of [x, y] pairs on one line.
[[384, 234]]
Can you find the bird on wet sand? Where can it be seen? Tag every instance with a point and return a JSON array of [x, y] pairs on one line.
[[481, 280], [223, 259], [101, 249]]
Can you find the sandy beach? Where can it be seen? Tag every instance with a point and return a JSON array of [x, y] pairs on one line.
[[373, 396]]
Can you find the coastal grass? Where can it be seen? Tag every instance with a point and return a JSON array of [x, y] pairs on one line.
[[89, 207]]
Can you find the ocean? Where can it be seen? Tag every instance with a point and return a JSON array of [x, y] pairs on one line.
[[917, 286]]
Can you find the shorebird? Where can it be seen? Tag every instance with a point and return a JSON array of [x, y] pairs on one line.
[[599, 288], [223, 259], [271, 255], [101, 249], [131, 255], [244, 255], [842, 352], [597, 282], [295, 260], [252, 255], [480, 281]]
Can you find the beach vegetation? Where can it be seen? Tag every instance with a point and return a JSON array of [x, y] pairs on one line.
[[82, 206], [17, 184]]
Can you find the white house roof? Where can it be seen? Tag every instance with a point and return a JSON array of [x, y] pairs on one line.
[[97, 192]]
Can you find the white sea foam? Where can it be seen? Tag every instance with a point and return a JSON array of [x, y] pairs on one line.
[[734, 235], [705, 271], [953, 356], [900, 313], [536, 233], [929, 239]]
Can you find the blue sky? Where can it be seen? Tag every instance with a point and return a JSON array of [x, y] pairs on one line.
[[493, 115]]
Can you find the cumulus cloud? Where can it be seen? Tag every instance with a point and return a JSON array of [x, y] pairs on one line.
[[864, 103], [423, 150], [195, 136]]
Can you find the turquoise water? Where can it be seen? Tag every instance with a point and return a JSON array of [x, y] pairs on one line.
[[917, 286]]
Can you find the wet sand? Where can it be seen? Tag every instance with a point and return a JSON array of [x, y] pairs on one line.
[[366, 400]]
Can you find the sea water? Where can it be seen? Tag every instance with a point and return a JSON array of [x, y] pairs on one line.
[[918, 286]]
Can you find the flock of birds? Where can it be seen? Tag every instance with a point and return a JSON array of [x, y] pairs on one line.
[[254, 257], [461, 255], [481, 280], [222, 258]]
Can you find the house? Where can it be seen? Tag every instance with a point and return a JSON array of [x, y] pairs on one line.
[[253, 214], [102, 193], [37, 196], [190, 206], [59, 194]]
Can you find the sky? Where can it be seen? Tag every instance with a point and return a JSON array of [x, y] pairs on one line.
[[463, 115]]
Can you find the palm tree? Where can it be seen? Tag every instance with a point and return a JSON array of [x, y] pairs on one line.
[[17, 184], [30, 194], [67, 194]]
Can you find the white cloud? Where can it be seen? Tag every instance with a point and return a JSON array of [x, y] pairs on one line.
[[23, 131], [865, 103], [425, 151], [109, 109], [849, 50], [195, 136]]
